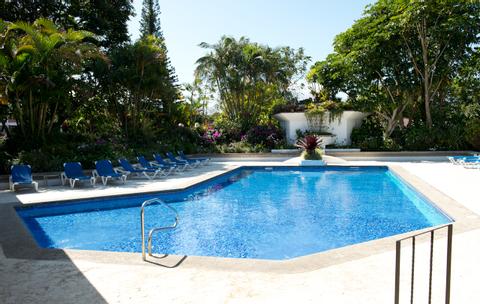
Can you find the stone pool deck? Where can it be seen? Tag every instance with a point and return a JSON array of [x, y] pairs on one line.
[[364, 275]]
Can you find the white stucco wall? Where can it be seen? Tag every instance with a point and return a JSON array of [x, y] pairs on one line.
[[340, 127]]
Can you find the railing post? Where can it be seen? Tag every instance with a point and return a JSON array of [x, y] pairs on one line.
[[412, 283], [432, 239], [430, 277], [449, 263], [397, 272]]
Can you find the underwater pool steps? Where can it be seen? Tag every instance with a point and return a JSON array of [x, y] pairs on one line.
[[156, 229]]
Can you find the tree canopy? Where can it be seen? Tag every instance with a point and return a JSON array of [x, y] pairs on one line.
[[107, 19], [401, 56]]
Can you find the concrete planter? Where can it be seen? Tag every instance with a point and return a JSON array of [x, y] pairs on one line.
[[286, 151], [340, 127], [305, 162]]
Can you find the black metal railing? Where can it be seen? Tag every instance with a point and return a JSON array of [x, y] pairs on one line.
[[412, 280]]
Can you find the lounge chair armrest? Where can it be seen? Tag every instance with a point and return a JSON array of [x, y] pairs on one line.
[[122, 171]]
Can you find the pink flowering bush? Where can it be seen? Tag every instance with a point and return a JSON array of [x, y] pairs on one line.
[[212, 135]]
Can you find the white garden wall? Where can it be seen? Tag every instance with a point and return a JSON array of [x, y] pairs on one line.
[[340, 127]]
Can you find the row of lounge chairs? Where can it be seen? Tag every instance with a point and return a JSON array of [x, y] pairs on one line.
[[104, 169], [469, 162]]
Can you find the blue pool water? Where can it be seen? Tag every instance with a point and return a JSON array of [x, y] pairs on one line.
[[252, 212]]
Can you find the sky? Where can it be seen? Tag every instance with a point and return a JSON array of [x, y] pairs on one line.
[[311, 24]]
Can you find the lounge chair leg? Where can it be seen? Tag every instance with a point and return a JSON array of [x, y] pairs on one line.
[[104, 180], [35, 185]]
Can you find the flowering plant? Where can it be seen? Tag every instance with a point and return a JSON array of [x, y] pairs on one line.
[[212, 135]]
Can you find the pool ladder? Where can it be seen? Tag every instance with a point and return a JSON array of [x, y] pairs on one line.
[[153, 230]]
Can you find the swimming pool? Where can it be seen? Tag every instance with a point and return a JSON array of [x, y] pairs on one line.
[[251, 212]]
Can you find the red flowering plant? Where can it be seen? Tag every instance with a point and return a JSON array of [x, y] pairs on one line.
[[311, 145]]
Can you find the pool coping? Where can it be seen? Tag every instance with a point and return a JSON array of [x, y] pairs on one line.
[[18, 243]]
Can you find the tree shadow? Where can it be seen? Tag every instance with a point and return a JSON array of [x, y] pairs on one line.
[[30, 274]]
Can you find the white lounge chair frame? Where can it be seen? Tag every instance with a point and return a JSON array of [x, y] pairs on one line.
[[105, 179], [72, 181], [470, 165], [12, 184], [146, 174]]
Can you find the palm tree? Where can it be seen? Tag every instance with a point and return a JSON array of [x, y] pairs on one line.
[[38, 62], [248, 77]]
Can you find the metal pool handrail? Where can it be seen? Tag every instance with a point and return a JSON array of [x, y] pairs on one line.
[[152, 231], [448, 274]]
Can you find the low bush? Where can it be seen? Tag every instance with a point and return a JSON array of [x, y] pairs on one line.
[[241, 147], [269, 136], [369, 136]]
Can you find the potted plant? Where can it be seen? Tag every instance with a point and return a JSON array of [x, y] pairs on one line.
[[312, 151]]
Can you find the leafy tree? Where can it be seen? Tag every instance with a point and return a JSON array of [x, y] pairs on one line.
[[105, 18], [141, 88], [38, 64], [465, 87], [249, 78], [368, 66], [438, 36], [31, 10], [399, 55]]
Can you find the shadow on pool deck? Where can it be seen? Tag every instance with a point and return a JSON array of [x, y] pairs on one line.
[[166, 261], [29, 274]]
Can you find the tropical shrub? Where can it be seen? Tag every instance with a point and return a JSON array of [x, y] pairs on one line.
[[268, 136], [311, 147]]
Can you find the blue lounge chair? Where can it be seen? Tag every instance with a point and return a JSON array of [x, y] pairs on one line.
[[470, 163], [460, 160], [105, 170], [73, 172], [154, 165], [21, 175], [203, 161], [150, 173], [174, 160], [160, 161]]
